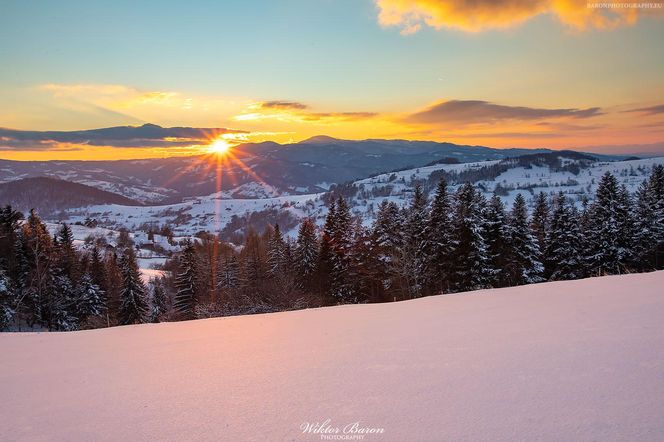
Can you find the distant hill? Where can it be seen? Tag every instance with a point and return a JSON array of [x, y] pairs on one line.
[[50, 196], [259, 169]]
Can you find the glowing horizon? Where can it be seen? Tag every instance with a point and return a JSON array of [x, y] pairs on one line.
[[502, 74]]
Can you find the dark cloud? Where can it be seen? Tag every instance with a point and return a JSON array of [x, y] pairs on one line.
[[476, 111], [147, 135], [652, 110], [283, 105]]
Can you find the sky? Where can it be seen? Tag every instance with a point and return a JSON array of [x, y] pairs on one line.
[[500, 73]]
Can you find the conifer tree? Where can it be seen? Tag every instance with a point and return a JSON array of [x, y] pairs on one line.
[[472, 270], [564, 254], [539, 223], [276, 253], [386, 247], [158, 301], [186, 297], [133, 304], [90, 299], [439, 235], [415, 244], [7, 301], [496, 239], [306, 254], [609, 228], [340, 278], [524, 257]]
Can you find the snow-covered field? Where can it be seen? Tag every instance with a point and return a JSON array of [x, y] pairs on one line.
[[576, 360]]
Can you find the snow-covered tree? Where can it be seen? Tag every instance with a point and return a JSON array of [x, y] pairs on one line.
[[608, 236], [306, 253], [276, 253], [524, 260], [415, 245], [564, 252], [186, 297], [472, 268], [90, 299], [539, 222], [439, 234], [496, 233], [7, 301], [133, 304]]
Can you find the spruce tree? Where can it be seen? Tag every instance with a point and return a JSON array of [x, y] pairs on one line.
[[7, 301], [440, 240], [306, 254], [276, 253], [133, 304], [186, 297], [386, 247], [563, 255], [524, 264], [472, 268], [341, 284], [609, 238], [415, 244], [496, 239], [90, 299], [158, 301], [539, 223]]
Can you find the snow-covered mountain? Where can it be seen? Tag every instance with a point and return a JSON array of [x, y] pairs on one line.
[[573, 360], [306, 167], [572, 173]]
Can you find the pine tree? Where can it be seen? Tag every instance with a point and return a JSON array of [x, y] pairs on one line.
[[539, 223], [386, 247], [340, 273], [609, 228], [90, 299], [496, 239], [524, 257], [306, 254], [439, 235], [36, 248], [563, 256], [186, 297], [133, 305], [276, 253], [648, 244], [415, 244], [472, 269], [324, 269], [229, 274], [60, 310], [158, 301], [7, 301]]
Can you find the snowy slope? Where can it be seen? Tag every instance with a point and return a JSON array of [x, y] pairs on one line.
[[214, 212], [577, 360]]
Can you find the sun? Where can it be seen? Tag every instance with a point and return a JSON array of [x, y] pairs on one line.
[[219, 146]]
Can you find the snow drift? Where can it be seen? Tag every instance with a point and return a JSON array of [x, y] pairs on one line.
[[576, 360]]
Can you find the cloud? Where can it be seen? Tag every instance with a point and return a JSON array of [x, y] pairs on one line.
[[283, 105], [480, 15], [652, 110], [296, 112], [147, 135], [476, 111]]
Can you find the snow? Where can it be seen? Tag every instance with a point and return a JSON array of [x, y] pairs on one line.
[[575, 360]]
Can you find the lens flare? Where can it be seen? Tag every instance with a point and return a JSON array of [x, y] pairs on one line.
[[219, 146]]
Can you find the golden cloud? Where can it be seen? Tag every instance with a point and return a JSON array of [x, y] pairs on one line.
[[480, 15]]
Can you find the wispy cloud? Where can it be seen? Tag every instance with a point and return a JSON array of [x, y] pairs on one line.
[[477, 111], [651, 110], [296, 112], [480, 15]]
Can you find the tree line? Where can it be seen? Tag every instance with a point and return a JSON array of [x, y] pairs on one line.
[[455, 242]]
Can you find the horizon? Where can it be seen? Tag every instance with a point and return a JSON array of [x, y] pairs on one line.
[[557, 75]]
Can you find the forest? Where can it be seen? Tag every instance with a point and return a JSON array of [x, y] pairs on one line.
[[455, 242]]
